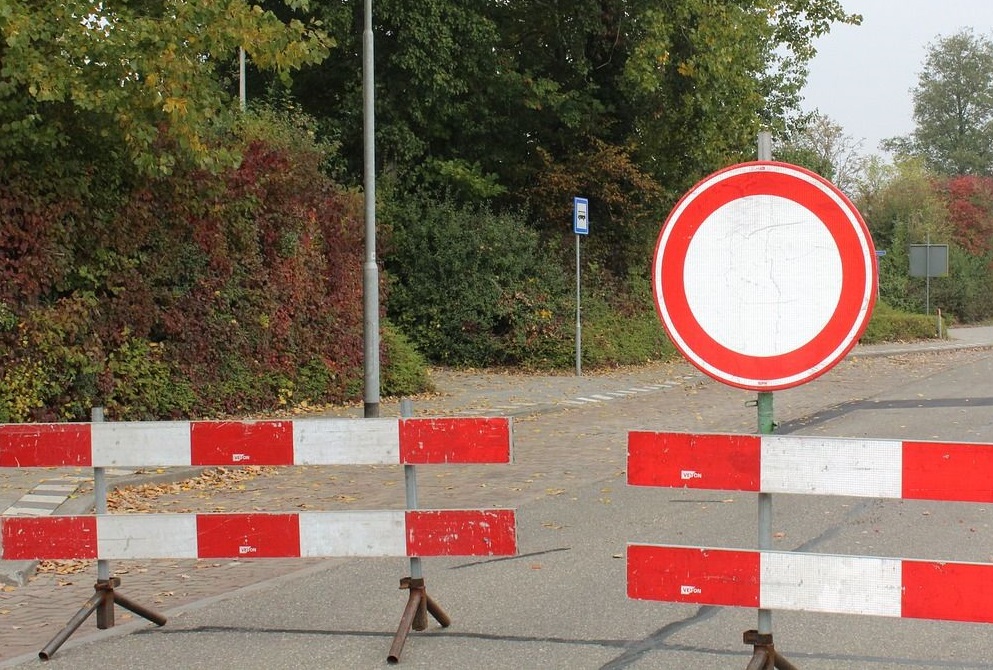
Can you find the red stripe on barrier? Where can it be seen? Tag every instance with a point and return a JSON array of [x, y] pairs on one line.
[[679, 460], [948, 591], [51, 538], [692, 575], [469, 440], [248, 535], [241, 442], [461, 533], [948, 471], [45, 445]]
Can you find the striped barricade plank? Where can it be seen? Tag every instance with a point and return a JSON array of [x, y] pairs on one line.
[[945, 471], [416, 533], [773, 580], [414, 441]]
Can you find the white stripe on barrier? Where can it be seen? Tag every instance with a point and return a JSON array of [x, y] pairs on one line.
[[824, 583], [127, 536], [356, 533], [868, 468], [139, 444], [338, 442]]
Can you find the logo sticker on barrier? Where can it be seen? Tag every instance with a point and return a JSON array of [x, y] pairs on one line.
[[764, 275]]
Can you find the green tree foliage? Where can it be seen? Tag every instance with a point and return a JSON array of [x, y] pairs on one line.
[[906, 206], [142, 79], [902, 209], [969, 203], [624, 203], [907, 200], [953, 107], [508, 100], [437, 81]]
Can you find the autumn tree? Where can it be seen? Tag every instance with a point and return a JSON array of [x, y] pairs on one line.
[[953, 107], [477, 93], [969, 201], [146, 80], [821, 145]]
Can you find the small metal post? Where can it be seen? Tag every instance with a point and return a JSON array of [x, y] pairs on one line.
[[105, 595], [105, 610], [410, 481], [927, 274], [417, 592], [100, 495], [766, 426], [242, 96], [765, 416], [579, 327], [419, 603], [765, 146]]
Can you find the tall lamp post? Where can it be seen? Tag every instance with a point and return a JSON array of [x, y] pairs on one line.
[[370, 271]]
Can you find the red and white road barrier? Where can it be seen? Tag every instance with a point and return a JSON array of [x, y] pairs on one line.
[[773, 580], [300, 442], [947, 471], [272, 535], [769, 580], [412, 533]]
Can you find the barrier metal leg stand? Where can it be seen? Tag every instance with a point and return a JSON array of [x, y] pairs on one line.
[[419, 603], [102, 602], [765, 656], [105, 597]]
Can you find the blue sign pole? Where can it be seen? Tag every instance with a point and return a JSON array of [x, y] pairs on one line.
[[580, 226]]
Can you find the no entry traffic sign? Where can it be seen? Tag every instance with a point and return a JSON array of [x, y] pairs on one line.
[[764, 275]]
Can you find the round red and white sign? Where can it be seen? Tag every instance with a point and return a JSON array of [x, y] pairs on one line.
[[764, 275]]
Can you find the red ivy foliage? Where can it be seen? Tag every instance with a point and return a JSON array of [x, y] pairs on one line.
[[970, 209], [33, 240], [246, 286]]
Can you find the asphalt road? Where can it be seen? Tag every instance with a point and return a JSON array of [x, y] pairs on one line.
[[561, 603]]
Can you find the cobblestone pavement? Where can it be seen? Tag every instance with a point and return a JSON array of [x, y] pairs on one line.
[[569, 431]]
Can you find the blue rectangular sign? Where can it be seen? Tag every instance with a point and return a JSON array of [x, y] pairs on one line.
[[581, 216]]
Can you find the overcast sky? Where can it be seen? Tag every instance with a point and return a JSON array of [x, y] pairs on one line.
[[862, 75]]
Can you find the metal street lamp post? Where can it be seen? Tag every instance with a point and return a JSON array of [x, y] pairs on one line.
[[370, 271]]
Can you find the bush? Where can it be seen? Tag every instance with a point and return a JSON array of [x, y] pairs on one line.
[[404, 369], [143, 387], [474, 288], [965, 293], [890, 325], [621, 326]]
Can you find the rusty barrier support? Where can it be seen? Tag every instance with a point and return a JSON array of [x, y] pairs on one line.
[[102, 602], [105, 595], [782, 580], [411, 533], [419, 603]]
